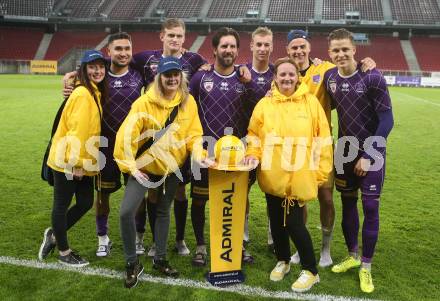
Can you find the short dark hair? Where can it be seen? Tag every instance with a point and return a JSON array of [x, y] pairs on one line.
[[222, 32], [118, 36], [341, 34]]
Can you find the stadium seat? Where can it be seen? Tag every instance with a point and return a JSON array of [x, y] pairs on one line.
[[232, 8], [302, 11], [415, 12], [368, 10], [19, 43], [427, 50]]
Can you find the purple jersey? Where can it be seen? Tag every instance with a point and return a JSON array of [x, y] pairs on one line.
[[358, 98], [124, 89], [223, 101], [262, 81], [146, 62]]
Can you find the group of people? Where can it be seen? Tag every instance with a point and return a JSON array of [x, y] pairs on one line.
[[156, 113]]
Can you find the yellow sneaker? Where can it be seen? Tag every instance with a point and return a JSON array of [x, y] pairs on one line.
[[305, 281], [279, 271], [346, 264], [366, 280]]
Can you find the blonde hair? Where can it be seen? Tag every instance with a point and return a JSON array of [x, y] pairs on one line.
[[183, 87], [262, 31], [284, 60]]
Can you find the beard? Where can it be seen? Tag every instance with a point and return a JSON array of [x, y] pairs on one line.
[[120, 65], [227, 61]]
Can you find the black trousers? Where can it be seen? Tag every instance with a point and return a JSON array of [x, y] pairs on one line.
[[63, 217], [294, 228]]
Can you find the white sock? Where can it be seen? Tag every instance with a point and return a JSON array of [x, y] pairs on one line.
[[246, 228], [366, 265], [103, 240], [354, 255], [326, 239]]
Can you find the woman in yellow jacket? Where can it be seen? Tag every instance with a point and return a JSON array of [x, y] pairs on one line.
[[289, 135], [73, 156], [158, 166]]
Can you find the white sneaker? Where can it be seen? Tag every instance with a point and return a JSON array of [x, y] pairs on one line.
[[104, 250], [305, 281], [295, 258], [140, 249], [279, 271], [181, 248], [152, 251], [325, 260]]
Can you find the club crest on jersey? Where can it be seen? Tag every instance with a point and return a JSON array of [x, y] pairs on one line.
[[239, 88], [224, 86], [332, 85], [208, 85], [359, 88], [316, 78]]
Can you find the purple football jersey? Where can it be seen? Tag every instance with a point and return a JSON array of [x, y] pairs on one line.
[[357, 99], [124, 89], [146, 62], [262, 80], [223, 101]]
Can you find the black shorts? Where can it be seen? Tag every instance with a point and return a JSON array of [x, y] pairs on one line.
[[110, 174]]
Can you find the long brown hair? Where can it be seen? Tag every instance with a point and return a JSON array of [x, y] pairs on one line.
[[83, 80]]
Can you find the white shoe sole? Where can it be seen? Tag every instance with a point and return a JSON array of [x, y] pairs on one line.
[[302, 290], [74, 265], [40, 252]]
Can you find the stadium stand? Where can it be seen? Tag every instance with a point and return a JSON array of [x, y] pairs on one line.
[[232, 8], [128, 9], [427, 50], [35, 8], [181, 9], [19, 43], [368, 10], [415, 12], [63, 41], [84, 8], [302, 11]]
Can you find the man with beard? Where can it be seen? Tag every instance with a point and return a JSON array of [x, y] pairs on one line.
[[225, 105]]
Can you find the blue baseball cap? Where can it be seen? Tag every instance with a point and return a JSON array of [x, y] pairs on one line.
[[169, 63], [91, 55], [297, 34]]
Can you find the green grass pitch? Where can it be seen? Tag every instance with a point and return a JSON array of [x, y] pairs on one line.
[[405, 265]]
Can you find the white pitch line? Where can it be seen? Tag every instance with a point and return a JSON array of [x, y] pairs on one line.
[[417, 98], [240, 289]]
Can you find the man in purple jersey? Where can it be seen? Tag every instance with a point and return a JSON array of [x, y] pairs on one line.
[[225, 105], [173, 36], [365, 120], [125, 86], [262, 74]]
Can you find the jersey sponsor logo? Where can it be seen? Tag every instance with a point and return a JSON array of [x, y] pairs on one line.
[[239, 88], [117, 84], [316, 78], [208, 85], [133, 84], [345, 87], [224, 86], [332, 85], [261, 81], [373, 187]]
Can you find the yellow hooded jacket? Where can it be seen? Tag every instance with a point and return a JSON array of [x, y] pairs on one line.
[[148, 114], [289, 128], [71, 143]]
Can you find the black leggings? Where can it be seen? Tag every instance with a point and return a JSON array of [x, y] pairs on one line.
[[294, 228], [64, 218]]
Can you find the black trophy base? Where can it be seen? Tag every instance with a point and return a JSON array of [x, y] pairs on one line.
[[225, 278]]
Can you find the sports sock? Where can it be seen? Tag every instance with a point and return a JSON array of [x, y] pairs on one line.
[[139, 237], [103, 240], [198, 221], [180, 213], [350, 222], [101, 224], [370, 227], [366, 265], [326, 239]]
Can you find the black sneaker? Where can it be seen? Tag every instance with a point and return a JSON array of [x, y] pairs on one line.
[[72, 259], [133, 271], [48, 244], [164, 267]]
